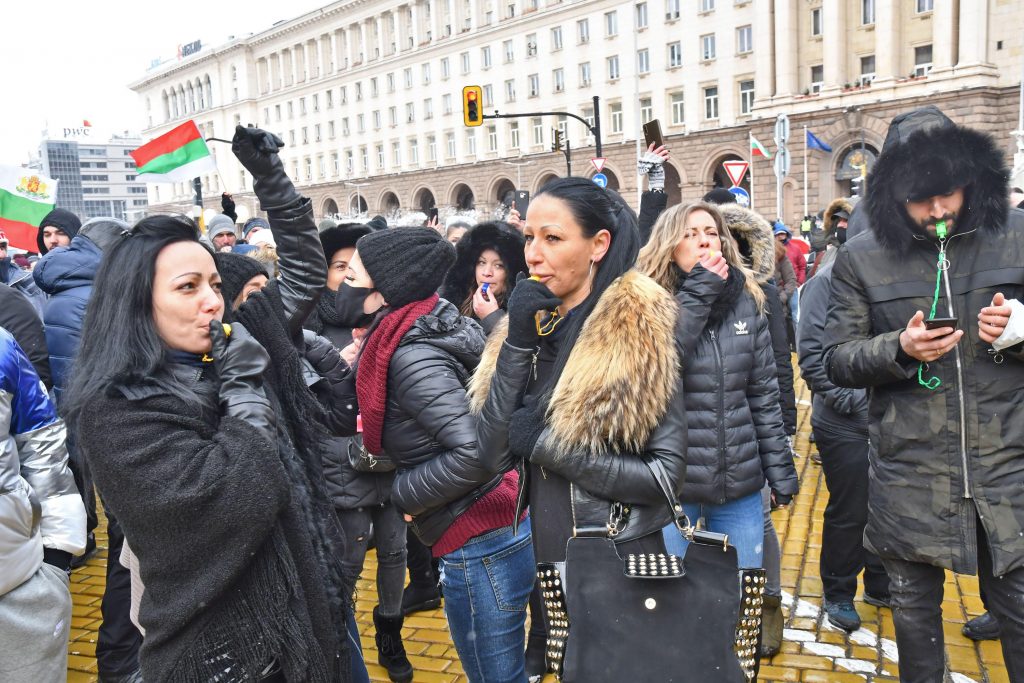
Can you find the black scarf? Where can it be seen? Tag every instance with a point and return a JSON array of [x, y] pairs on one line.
[[325, 312]]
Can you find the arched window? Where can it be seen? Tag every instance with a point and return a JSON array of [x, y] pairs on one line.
[[201, 95], [209, 91], [167, 105], [191, 101]]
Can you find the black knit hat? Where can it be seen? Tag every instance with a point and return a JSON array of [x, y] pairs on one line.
[[58, 218], [406, 264], [235, 270], [341, 237], [719, 196]]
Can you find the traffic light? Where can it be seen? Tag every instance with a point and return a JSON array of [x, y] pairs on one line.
[[859, 183], [472, 96], [556, 144]]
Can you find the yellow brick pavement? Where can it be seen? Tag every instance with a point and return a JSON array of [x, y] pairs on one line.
[[813, 652]]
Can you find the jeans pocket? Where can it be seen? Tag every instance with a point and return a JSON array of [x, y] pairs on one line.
[[511, 573]]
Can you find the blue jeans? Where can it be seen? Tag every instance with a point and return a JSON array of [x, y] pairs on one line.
[[487, 584], [742, 519]]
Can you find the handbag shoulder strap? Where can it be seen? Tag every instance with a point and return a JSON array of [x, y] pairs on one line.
[[682, 522]]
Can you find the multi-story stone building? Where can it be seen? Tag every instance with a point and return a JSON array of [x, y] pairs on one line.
[[367, 95], [97, 177]]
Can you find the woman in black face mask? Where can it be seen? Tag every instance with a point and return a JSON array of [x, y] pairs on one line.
[[410, 388], [361, 498]]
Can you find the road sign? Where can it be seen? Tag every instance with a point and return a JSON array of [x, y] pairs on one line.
[[781, 129], [742, 196], [735, 170], [600, 179], [781, 163], [598, 163]]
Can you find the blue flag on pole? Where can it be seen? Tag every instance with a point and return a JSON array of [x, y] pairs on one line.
[[814, 143]]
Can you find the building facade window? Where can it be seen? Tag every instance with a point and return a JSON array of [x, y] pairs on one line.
[[510, 54], [925, 6], [583, 31], [867, 12], [464, 58], [616, 111], [485, 57], [671, 10], [707, 5], [449, 139], [641, 15], [611, 23], [922, 60], [513, 135], [492, 139], [711, 103], [446, 103], [744, 40], [538, 131], [817, 78], [556, 38], [675, 54], [613, 68], [867, 69], [646, 109], [643, 61], [678, 112], [471, 142], [488, 95], [584, 74], [816, 21], [510, 90], [446, 68], [707, 47], [534, 81], [746, 97], [558, 77]]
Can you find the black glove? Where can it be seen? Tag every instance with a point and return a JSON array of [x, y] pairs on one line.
[[241, 361], [524, 430], [227, 205], [781, 499], [257, 149], [60, 559], [527, 299]]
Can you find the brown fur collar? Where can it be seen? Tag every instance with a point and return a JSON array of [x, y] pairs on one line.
[[839, 204], [754, 237], [620, 376]]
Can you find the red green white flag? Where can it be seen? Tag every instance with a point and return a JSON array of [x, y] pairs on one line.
[[175, 156], [25, 198], [757, 149]]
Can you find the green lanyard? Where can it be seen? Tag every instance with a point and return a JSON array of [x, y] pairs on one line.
[[933, 382]]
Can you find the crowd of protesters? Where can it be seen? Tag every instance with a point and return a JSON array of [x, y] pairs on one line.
[[255, 407]]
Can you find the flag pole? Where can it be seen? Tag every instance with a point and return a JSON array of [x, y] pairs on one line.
[[750, 152], [805, 170]]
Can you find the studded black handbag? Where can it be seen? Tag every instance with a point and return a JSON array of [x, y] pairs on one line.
[[651, 617]]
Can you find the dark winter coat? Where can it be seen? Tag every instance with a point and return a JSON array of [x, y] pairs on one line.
[[736, 434], [940, 459], [428, 431], [21, 280], [66, 275], [836, 409], [753, 236], [18, 317], [652, 204], [349, 489], [601, 423]]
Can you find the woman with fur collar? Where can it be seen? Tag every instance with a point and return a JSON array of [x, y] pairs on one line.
[[549, 402], [730, 388], [488, 253]]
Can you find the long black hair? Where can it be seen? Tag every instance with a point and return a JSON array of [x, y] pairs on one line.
[[120, 342], [594, 209]]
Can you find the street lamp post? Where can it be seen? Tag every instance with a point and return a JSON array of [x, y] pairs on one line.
[[359, 201], [519, 171]]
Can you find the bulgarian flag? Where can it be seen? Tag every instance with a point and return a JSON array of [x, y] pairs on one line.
[[25, 199], [757, 149], [178, 155]]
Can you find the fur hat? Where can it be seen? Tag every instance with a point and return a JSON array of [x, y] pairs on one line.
[[219, 225], [837, 208], [753, 235], [341, 237], [235, 270], [925, 154], [326, 224], [406, 264], [502, 238], [58, 218]]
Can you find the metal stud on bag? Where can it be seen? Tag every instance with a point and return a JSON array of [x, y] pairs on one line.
[[748, 627], [653, 566], [553, 594]]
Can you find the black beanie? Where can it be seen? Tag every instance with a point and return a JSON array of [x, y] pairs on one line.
[[406, 264], [720, 196], [235, 270], [58, 218], [341, 237]]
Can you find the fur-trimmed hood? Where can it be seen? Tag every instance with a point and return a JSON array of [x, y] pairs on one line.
[[503, 238], [834, 207], [753, 235], [926, 154], [620, 376]]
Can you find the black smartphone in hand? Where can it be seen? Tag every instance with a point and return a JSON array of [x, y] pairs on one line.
[[521, 202], [652, 134], [938, 323]]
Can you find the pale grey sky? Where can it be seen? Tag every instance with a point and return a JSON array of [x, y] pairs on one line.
[[65, 61]]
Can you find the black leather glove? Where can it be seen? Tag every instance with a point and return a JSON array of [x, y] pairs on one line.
[[227, 205], [241, 361], [257, 149], [528, 298], [781, 499], [524, 430]]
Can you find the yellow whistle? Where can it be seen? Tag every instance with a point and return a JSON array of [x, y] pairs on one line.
[[535, 278], [712, 254], [227, 330]]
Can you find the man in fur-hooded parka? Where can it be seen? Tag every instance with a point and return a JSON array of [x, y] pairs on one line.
[[946, 486]]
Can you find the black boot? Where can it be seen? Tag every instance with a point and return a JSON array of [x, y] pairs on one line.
[[390, 650], [420, 598]]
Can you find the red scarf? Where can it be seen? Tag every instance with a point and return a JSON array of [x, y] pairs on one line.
[[372, 375]]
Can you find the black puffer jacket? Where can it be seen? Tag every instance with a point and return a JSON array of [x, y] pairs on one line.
[[348, 488], [736, 435], [428, 431]]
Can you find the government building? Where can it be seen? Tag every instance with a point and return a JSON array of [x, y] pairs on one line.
[[367, 95]]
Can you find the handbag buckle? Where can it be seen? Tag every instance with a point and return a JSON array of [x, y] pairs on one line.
[[617, 517]]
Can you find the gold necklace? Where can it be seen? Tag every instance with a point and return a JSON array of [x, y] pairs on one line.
[[548, 327]]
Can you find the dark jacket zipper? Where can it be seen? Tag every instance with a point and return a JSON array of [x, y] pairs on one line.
[[720, 371]]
